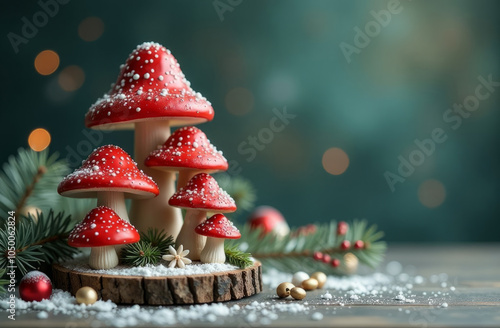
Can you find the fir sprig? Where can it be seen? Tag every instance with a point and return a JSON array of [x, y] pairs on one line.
[[3, 282], [158, 238], [237, 257], [39, 238], [141, 253], [240, 189], [153, 244], [295, 251], [30, 179]]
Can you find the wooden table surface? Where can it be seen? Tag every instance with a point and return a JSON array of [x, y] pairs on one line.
[[473, 269]]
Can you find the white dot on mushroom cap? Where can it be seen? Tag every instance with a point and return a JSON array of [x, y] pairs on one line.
[[146, 76], [136, 76], [138, 58], [93, 225], [97, 234], [138, 109]]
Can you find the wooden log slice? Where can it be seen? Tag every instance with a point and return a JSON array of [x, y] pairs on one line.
[[168, 290]]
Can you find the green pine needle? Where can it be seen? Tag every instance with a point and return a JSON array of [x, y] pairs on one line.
[[240, 189], [3, 282], [141, 254], [236, 257], [158, 238], [42, 238]]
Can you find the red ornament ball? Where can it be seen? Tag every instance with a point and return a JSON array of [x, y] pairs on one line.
[[318, 256], [346, 244], [326, 258], [335, 263], [342, 228], [359, 244], [35, 286], [269, 220]]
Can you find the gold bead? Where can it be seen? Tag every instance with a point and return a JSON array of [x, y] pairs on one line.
[[310, 284], [284, 289], [298, 293], [350, 263], [320, 277], [86, 295]]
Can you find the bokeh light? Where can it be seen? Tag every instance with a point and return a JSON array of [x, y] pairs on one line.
[[239, 101], [90, 29], [335, 161], [431, 193], [39, 139], [71, 78], [46, 62]]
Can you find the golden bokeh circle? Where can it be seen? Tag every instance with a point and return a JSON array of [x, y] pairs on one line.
[[46, 62], [91, 29], [71, 78], [431, 193], [335, 161], [39, 139]]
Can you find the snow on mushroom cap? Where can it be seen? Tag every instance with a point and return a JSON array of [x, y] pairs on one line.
[[102, 227], [203, 192], [108, 168], [150, 85], [218, 226], [188, 147]]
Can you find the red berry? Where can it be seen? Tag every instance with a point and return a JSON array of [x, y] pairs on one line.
[[342, 228], [346, 244], [335, 263], [359, 244], [318, 256], [326, 258]]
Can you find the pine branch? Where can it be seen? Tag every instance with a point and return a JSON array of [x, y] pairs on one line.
[[296, 250], [240, 189], [149, 249], [38, 239], [236, 257], [30, 179], [3, 282], [141, 253]]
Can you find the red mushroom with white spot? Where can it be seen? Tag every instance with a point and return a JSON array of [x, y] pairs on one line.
[[110, 175], [189, 152], [150, 95], [217, 229], [202, 194], [101, 230]]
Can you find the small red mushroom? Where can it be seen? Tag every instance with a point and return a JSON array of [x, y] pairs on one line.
[[189, 152], [101, 230], [217, 228], [202, 194], [110, 175]]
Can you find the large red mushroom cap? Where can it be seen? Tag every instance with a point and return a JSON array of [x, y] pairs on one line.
[[102, 227], [150, 85], [108, 168], [188, 148], [203, 192], [218, 226]]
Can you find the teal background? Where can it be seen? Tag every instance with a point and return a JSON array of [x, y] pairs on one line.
[[287, 53]]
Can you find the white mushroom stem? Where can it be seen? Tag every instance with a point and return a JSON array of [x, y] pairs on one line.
[[188, 237], [103, 257], [213, 251], [155, 212], [184, 177], [114, 200]]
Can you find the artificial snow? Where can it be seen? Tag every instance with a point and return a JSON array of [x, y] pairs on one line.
[[159, 270]]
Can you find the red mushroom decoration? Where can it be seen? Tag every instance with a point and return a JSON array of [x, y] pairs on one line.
[[101, 230], [269, 220], [110, 175], [150, 95], [202, 194], [189, 152], [217, 228]]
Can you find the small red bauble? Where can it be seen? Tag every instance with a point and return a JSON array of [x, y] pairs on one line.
[[35, 286], [326, 258], [335, 263], [359, 244], [269, 220], [342, 228], [346, 244], [318, 256]]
